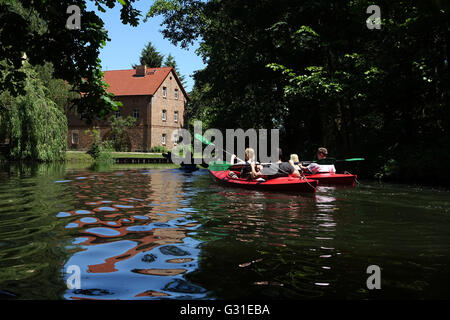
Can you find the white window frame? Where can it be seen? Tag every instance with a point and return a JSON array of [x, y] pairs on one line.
[[176, 94], [78, 137], [136, 114], [164, 115], [164, 92], [163, 139], [175, 116]]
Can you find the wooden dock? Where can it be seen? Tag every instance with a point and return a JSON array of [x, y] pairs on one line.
[[140, 160]]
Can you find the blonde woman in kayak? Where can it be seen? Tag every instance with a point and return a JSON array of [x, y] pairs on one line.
[[251, 169]]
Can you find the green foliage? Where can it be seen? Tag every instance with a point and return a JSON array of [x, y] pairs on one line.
[[170, 62], [58, 90], [37, 28], [390, 169], [100, 151], [313, 70], [150, 57], [119, 130], [34, 125], [159, 149]]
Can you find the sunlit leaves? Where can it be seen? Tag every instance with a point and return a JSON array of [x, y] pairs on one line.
[[33, 123]]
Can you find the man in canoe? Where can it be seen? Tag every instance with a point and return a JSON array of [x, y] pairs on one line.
[[313, 168], [322, 153]]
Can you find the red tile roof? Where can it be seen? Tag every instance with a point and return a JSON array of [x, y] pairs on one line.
[[126, 83]]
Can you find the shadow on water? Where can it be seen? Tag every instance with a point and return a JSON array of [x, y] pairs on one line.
[[274, 246]]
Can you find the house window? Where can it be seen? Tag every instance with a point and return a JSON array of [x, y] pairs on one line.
[[164, 92], [163, 139], [176, 94], [164, 115], [136, 114], [117, 114], [175, 116], [75, 137]]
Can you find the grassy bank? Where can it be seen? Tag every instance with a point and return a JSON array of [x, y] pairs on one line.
[[74, 165], [82, 156]]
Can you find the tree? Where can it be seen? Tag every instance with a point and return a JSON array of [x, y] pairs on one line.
[[150, 57], [170, 62], [37, 28], [58, 90], [119, 130], [34, 125], [314, 70]]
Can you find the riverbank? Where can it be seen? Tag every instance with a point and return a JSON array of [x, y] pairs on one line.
[[82, 156]]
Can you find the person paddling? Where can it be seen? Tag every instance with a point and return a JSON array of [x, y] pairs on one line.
[[251, 170], [313, 168]]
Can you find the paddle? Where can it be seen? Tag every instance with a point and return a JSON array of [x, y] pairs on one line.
[[332, 160], [203, 140], [215, 166]]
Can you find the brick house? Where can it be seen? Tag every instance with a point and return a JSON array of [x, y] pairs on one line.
[[155, 97]]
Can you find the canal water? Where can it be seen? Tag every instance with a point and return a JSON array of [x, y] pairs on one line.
[[161, 233]]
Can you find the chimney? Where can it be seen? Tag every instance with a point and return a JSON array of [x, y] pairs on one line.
[[141, 71]]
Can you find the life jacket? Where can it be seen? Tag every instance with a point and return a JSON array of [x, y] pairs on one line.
[[247, 169]]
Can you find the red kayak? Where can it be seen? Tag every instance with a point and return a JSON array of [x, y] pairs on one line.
[[333, 178], [289, 183]]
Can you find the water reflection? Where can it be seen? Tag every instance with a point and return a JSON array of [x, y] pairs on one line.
[[131, 229], [165, 234], [282, 239]]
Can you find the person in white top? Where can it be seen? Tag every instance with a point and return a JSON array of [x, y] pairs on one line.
[[313, 168]]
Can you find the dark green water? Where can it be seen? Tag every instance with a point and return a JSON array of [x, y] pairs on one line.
[[161, 233]]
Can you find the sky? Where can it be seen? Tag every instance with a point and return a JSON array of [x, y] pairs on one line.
[[127, 42]]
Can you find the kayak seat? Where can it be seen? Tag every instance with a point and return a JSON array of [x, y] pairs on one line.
[[233, 175]]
